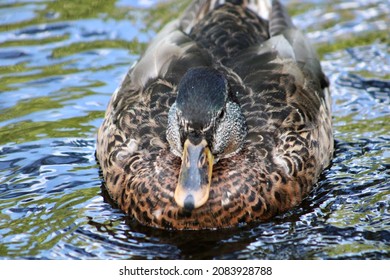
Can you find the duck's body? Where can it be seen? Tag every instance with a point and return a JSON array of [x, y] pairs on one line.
[[272, 108]]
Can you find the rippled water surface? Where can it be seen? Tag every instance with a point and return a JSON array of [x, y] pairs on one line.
[[60, 61]]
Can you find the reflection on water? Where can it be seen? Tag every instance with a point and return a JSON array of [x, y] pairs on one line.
[[60, 61]]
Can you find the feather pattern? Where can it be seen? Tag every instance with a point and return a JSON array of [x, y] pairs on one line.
[[275, 77]]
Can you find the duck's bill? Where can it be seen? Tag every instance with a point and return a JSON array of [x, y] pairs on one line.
[[193, 187]]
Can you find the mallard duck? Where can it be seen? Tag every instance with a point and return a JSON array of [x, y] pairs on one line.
[[225, 120]]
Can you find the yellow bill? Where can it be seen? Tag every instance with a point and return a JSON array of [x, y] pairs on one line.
[[193, 187]]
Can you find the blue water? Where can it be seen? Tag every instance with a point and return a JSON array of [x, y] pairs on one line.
[[60, 61]]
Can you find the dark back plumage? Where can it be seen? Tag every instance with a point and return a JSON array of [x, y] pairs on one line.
[[272, 73]]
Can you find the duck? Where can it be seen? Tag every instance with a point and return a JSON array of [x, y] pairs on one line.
[[224, 120]]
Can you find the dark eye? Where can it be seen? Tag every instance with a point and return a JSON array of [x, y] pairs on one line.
[[221, 114]]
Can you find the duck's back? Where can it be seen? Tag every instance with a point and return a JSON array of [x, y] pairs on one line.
[[228, 30]]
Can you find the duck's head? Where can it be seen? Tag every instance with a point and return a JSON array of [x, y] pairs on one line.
[[205, 124]]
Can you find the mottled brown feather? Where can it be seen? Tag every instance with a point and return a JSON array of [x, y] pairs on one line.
[[283, 95]]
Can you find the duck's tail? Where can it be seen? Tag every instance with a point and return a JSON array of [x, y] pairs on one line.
[[272, 11]]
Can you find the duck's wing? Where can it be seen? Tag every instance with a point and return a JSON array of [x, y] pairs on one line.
[[284, 71], [171, 51], [290, 43], [286, 102], [279, 19]]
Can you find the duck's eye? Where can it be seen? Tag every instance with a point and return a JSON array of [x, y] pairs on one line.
[[221, 114]]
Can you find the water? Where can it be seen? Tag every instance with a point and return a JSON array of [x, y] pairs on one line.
[[60, 61]]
